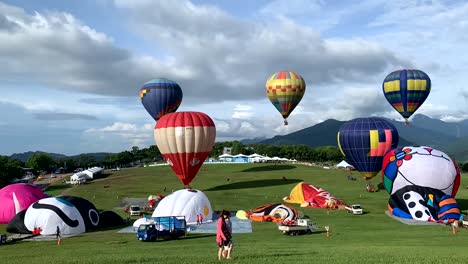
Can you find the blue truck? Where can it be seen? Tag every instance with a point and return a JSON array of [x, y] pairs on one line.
[[165, 227]]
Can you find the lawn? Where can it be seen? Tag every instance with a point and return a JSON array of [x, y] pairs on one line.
[[371, 238]]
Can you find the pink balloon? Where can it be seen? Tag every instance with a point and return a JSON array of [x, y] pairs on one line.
[[16, 198]]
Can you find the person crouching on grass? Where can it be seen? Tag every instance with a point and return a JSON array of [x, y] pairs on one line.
[[223, 236]]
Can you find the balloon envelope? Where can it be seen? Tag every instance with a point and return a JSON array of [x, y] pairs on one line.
[[406, 90], [185, 140], [420, 166], [364, 142], [16, 198], [285, 90], [160, 97]]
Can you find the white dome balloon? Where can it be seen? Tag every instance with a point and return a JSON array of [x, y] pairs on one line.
[[186, 202]]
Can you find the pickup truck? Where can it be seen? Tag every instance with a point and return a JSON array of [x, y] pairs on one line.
[[356, 209], [297, 227]]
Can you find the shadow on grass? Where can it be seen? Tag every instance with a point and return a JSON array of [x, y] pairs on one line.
[[194, 236], [103, 176], [270, 168], [463, 203], [253, 184], [57, 187]]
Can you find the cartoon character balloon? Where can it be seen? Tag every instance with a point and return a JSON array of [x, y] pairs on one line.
[[160, 97], [422, 166], [406, 90], [422, 183], [285, 90], [185, 140], [364, 142]]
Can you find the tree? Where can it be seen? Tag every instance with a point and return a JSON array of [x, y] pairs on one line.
[[464, 167], [41, 162], [9, 169]]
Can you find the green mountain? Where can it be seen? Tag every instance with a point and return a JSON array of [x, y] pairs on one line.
[[27, 155], [449, 137]]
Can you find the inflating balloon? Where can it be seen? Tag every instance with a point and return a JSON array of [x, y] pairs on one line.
[[285, 90], [406, 90], [364, 142], [185, 140], [160, 97]]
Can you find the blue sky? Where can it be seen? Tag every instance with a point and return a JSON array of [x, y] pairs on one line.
[[70, 71]]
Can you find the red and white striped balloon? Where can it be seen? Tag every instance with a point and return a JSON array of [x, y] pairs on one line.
[[185, 140]]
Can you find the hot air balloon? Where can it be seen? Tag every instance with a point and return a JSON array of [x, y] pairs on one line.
[[185, 140], [160, 97], [285, 90], [406, 90], [364, 142]]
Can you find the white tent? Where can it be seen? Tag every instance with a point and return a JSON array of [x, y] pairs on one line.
[[344, 164], [225, 156], [186, 202], [255, 155], [92, 172], [240, 156]]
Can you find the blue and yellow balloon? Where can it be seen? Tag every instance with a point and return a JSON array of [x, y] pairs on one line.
[[364, 142], [160, 96], [406, 90]]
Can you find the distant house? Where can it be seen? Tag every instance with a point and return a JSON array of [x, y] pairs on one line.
[[227, 150]]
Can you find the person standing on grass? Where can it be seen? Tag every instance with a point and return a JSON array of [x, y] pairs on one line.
[[227, 253], [223, 236]]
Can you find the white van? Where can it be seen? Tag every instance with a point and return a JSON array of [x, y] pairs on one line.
[[134, 210]]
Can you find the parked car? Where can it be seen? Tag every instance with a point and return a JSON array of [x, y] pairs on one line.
[[135, 210]]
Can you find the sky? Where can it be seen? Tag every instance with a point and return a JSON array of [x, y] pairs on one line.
[[71, 71]]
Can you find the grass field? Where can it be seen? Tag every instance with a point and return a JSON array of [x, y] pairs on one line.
[[371, 238]]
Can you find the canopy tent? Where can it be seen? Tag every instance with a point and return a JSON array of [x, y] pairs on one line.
[[344, 164], [225, 156], [255, 155]]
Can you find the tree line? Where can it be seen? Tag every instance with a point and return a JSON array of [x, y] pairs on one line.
[[44, 163]]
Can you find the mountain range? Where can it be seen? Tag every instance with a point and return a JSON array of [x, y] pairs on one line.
[[450, 137], [26, 155]]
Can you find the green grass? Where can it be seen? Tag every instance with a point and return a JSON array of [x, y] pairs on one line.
[[370, 238]]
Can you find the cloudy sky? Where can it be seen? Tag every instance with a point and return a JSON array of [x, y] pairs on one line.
[[71, 71]]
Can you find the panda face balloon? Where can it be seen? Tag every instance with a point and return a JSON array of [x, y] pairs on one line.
[[420, 166], [73, 215]]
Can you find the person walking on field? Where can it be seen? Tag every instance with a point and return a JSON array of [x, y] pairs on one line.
[[223, 236], [58, 236]]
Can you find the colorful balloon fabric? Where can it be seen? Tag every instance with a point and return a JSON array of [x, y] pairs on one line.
[[311, 196], [73, 215], [187, 202], [422, 183], [421, 166], [285, 90], [16, 198], [423, 204], [160, 97], [273, 213], [364, 142], [185, 140], [406, 90]]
